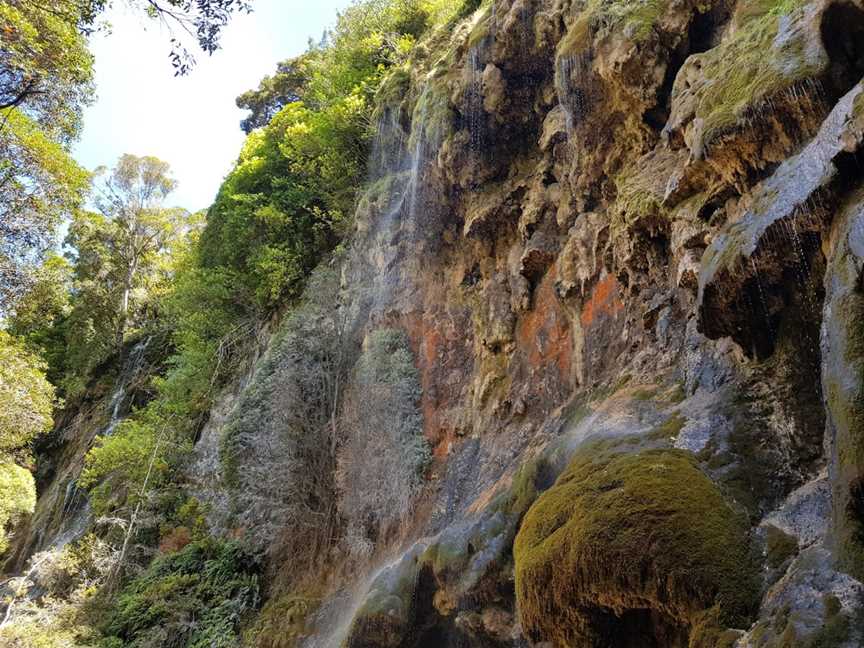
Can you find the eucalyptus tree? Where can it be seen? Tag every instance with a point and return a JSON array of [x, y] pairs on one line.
[[141, 228]]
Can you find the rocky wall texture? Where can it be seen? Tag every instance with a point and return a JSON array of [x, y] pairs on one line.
[[622, 237]]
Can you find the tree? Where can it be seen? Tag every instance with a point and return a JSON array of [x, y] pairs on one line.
[[26, 398], [201, 20], [26, 403], [45, 80], [132, 198], [39, 315], [276, 92]]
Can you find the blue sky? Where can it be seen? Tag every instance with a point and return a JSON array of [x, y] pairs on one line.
[[190, 122]]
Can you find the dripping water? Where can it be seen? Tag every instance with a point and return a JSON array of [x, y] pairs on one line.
[[762, 298], [475, 115], [335, 617], [570, 76]]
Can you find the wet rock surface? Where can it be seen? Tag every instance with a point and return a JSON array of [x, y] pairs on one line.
[[638, 218]]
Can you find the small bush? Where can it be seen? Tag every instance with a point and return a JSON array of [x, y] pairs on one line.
[[195, 598]]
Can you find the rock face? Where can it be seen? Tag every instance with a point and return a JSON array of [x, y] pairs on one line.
[[625, 240], [632, 230]]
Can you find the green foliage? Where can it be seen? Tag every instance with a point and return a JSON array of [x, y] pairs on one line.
[[765, 66], [47, 69], [195, 598], [582, 550], [294, 187], [117, 465], [272, 220], [26, 406], [41, 184], [39, 314], [45, 80], [286, 86], [60, 611], [26, 398], [123, 261], [17, 496]]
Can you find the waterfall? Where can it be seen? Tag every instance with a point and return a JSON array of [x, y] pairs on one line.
[[400, 163], [69, 511], [334, 619]]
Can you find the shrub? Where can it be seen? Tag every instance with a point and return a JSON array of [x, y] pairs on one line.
[[277, 448], [194, 598]]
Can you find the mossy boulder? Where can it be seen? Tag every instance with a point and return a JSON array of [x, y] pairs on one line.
[[633, 547]]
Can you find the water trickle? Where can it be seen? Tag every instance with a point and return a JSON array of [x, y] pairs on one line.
[[334, 619], [131, 370], [407, 210], [387, 146], [762, 298], [475, 115], [571, 74]]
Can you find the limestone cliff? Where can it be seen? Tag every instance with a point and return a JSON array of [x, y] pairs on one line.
[[625, 242]]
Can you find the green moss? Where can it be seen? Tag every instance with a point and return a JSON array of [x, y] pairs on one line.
[[763, 68], [780, 546], [835, 633], [669, 430], [618, 532], [645, 393], [526, 485], [636, 19], [846, 408], [639, 198], [283, 620], [677, 394], [394, 87], [833, 606], [432, 113]]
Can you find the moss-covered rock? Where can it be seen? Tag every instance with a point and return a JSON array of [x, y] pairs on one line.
[[765, 66], [633, 545]]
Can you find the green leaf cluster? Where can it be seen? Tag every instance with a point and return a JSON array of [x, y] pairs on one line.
[[26, 402], [196, 598]]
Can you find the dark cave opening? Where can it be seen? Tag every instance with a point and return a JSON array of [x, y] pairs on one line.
[[703, 34], [638, 628], [842, 31]]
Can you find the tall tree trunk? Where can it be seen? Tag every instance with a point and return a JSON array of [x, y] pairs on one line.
[[124, 306]]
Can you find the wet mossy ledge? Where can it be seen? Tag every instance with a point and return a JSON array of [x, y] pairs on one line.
[[634, 547]]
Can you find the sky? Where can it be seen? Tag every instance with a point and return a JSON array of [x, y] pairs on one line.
[[190, 122]]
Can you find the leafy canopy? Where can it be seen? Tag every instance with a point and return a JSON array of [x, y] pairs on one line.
[[45, 80]]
